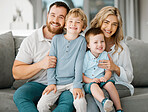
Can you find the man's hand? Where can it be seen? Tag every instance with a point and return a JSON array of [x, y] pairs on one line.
[[77, 92], [96, 80], [49, 88], [48, 62]]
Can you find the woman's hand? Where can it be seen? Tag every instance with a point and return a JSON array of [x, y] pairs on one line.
[[109, 65]]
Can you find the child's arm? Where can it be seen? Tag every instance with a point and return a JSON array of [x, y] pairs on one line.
[[89, 80], [77, 83], [86, 79], [51, 71], [107, 76]]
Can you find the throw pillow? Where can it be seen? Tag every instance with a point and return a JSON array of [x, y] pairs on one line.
[[7, 55], [139, 52], [18, 40]]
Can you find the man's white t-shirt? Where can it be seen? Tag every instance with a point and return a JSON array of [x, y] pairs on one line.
[[32, 50]]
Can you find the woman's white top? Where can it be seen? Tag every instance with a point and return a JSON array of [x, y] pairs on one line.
[[123, 61]]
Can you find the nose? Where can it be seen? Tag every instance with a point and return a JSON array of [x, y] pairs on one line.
[[73, 23], [109, 26], [55, 19], [99, 44]]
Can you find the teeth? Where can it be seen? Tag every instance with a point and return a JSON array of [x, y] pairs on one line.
[[108, 31], [73, 28], [55, 25], [99, 48]]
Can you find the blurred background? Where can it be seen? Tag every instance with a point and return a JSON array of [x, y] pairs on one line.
[[24, 16]]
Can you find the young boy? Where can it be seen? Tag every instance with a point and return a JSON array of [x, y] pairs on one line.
[[70, 50], [96, 78]]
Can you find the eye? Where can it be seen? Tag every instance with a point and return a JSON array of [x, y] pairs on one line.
[[115, 24], [52, 15], [78, 22], [61, 17], [106, 22], [70, 21], [95, 42], [102, 41]]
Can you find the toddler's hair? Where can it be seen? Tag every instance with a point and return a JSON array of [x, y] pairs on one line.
[[92, 32]]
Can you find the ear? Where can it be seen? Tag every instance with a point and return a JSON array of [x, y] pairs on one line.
[[88, 46], [47, 15], [65, 26], [84, 27]]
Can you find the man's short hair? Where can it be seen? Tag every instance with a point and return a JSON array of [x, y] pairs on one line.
[[59, 4]]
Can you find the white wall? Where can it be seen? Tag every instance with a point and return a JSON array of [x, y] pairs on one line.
[[8, 9], [143, 20]]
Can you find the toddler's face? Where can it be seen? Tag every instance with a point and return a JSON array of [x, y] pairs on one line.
[[74, 24], [96, 44]]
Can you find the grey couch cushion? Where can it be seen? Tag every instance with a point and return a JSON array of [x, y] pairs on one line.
[[136, 103], [7, 55], [6, 101], [139, 53], [17, 41]]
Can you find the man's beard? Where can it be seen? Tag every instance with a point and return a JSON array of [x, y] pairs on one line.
[[54, 30]]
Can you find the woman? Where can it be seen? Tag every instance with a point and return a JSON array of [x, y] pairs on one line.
[[110, 22]]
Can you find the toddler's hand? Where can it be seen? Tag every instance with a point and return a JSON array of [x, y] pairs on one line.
[[77, 92], [103, 79], [96, 80], [49, 88]]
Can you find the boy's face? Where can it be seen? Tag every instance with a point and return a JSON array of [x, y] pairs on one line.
[[96, 44], [56, 19], [74, 25]]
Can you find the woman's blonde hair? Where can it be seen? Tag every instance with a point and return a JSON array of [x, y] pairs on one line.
[[102, 15], [77, 12]]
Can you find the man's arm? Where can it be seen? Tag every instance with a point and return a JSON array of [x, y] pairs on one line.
[[23, 70]]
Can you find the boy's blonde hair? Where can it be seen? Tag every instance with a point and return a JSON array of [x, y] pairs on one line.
[[102, 15], [77, 12]]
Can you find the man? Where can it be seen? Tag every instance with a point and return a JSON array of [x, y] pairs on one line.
[[33, 60]]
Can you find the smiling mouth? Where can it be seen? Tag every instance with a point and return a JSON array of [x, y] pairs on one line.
[[73, 28], [109, 32], [55, 24], [100, 48]]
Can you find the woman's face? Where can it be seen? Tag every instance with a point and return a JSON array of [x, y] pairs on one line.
[[109, 25]]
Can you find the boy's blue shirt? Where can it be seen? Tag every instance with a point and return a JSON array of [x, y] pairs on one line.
[[70, 57], [90, 66]]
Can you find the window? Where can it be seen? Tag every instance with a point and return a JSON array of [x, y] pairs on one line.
[[90, 7]]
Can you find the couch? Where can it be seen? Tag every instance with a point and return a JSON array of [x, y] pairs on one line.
[[9, 45]]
